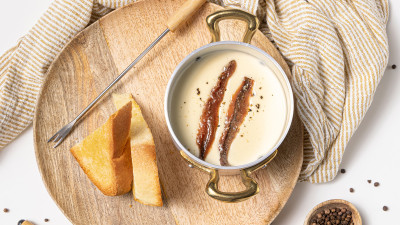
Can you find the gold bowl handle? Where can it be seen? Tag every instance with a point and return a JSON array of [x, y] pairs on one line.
[[251, 185], [213, 191], [212, 185], [213, 20]]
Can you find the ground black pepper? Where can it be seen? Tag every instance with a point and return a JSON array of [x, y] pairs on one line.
[[385, 208], [343, 171], [369, 181], [351, 190], [394, 66], [376, 184], [198, 91], [46, 220], [6, 210]]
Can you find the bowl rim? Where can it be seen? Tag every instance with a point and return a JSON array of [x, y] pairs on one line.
[[169, 90]]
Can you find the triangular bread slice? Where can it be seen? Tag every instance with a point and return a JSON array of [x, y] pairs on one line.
[[146, 185], [105, 154]]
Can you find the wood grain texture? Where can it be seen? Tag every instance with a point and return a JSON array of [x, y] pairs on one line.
[[88, 64]]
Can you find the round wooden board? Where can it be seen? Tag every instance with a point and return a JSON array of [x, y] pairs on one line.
[[88, 64]]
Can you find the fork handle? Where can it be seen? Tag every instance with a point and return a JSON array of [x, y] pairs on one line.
[[183, 13]]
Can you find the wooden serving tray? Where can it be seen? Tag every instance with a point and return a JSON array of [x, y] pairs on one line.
[[88, 64]]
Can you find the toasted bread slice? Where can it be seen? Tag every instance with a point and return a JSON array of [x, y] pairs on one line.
[[105, 154], [146, 185]]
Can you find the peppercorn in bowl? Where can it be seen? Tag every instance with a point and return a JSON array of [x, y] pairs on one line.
[[334, 212]]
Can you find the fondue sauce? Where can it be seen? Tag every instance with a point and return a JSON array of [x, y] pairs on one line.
[[240, 136]]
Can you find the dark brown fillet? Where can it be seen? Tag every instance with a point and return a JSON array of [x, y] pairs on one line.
[[237, 111], [209, 117]]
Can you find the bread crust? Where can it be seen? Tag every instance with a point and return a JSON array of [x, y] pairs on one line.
[[105, 154], [146, 184]]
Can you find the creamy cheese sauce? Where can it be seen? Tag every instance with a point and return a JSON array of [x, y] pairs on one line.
[[265, 122]]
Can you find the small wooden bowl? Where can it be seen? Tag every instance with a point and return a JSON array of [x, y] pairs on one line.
[[338, 203]]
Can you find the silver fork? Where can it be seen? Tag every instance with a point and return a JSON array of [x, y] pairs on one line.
[[63, 132], [184, 12]]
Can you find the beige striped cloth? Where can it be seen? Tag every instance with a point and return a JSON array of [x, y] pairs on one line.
[[337, 51]]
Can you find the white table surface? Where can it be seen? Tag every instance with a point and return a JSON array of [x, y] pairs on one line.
[[373, 152]]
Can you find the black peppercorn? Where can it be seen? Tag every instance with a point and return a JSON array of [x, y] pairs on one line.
[[332, 216]]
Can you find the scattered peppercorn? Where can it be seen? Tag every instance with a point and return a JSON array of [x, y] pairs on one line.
[[260, 88], [198, 58], [198, 91], [376, 184], [394, 66], [258, 106], [369, 181], [6, 210], [343, 171], [206, 82], [385, 208], [351, 190], [250, 110], [261, 97], [46, 220]]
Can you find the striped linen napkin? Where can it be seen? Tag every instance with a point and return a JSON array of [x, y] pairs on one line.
[[337, 51]]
